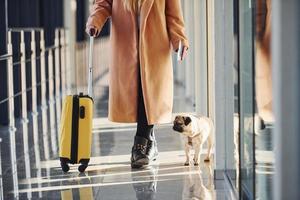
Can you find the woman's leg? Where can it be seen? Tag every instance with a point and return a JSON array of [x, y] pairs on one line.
[[143, 129], [144, 149]]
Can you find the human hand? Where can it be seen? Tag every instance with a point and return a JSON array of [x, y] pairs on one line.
[[92, 31]]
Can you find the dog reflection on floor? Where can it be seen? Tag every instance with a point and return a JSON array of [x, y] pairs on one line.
[[194, 187]]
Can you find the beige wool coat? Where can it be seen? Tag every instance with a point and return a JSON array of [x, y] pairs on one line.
[[161, 27]]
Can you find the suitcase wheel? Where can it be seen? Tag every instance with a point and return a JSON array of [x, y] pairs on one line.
[[65, 167], [82, 168]]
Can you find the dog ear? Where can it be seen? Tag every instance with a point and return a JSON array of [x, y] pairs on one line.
[[177, 118], [187, 121]]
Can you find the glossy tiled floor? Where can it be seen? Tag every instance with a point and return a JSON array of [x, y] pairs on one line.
[[109, 175]]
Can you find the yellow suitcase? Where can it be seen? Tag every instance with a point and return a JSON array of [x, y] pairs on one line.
[[76, 126], [76, 131]]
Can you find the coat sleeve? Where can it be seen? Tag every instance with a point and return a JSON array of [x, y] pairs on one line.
[[101, 11], [175, 23], [261, 16]]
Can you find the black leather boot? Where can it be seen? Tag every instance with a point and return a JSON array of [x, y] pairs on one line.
[[138, 153], [152, 151]]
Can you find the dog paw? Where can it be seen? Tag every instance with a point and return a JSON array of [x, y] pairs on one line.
[[196, 164], [186, 164], [206, 160]]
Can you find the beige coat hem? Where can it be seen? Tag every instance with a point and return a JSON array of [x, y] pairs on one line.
[[162, 120]]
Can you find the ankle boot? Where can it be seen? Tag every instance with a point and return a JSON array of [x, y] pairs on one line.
[[138, 153], [152, 151]]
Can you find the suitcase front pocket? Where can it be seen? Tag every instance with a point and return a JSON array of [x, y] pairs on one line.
[[82, 112]]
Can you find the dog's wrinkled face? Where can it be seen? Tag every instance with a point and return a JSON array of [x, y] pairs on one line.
[[182, 124]]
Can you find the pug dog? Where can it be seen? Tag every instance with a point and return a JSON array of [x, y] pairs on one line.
[[197, 130]]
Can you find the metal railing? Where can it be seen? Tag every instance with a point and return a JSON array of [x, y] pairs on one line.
[[54, 58], [1, 181], [5, 57], [51, 78]]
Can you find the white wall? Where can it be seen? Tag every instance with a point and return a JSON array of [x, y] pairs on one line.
[[220, 62], [286, 76]]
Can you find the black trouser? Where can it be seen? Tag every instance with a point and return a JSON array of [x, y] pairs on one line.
[[143, 129]]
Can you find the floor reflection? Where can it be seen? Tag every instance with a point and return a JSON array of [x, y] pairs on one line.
[[264, 154], [144, 183], [115, 178], [84, 193], [195, 188], [1, 180], [109, 175]]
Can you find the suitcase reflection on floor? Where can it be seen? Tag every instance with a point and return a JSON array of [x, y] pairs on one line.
[[83, 193]]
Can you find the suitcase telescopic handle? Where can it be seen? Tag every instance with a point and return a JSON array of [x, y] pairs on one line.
[[90, 74]]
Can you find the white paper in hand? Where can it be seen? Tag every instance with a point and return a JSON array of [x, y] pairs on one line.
[[179, 52]]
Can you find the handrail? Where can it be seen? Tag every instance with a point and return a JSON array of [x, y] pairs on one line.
[[50, 48], [20, 29], [26, 61], [21, 92], [51, 85], [5, 57]]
